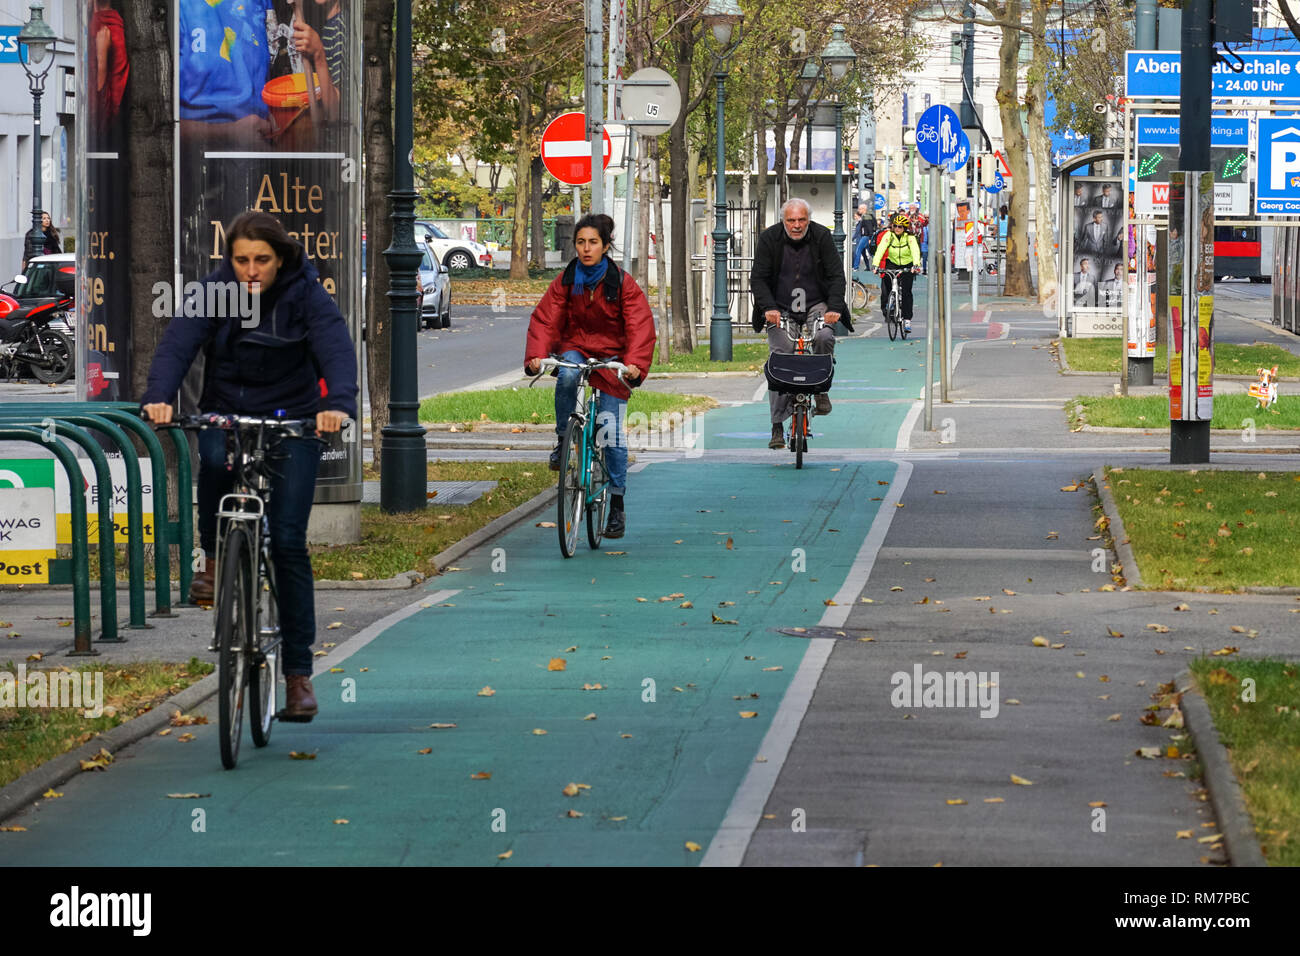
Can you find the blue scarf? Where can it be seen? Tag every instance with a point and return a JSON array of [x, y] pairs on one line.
[[588, 277]]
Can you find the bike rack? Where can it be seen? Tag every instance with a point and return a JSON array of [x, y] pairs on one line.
[[116, 420]]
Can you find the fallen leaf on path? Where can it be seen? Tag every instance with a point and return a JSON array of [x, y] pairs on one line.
[[442, 726], [557, 664], [481, 775], [295, 755], [425, 750], [1021, 781], [748, 713]]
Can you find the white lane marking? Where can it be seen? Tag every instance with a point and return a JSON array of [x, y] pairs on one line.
[[904, 440], [760, 391], [368, 634], [983, 554], [729, 844]]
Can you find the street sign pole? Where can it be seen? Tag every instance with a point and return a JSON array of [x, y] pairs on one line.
[[945, 316], [931, 299], [593, 100], [1193, 276]]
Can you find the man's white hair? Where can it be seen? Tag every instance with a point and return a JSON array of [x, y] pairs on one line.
[[796, 202]]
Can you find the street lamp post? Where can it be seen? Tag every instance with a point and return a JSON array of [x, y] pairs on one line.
[[39, 42], [808, 77], [838, 57], [722, 16], [403, 475]]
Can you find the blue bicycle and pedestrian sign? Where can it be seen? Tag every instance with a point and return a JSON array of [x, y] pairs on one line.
[[939, 136]]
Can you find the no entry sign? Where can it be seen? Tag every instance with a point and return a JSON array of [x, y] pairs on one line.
[[567, 152]]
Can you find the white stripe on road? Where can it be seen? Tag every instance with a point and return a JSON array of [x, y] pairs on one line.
[[729, 844]]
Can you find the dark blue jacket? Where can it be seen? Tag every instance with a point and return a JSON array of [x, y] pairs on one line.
[[300, 337]]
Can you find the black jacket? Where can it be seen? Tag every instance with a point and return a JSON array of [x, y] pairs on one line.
[[767, 267], [300, 337]]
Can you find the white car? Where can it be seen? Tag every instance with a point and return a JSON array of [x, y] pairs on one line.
[[453, 253]]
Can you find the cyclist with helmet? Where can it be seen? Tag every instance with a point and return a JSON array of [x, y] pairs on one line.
[[900, 248]]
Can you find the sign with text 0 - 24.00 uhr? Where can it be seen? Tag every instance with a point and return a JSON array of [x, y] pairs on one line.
[[270, 109]]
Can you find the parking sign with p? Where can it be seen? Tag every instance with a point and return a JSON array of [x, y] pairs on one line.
[[1277, 187]]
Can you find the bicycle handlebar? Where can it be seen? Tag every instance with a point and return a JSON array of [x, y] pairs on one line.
[[294, 427], [590, 365]]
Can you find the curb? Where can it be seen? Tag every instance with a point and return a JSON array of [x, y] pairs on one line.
[[30, 786], [1123, 550], [1225, 792], [494, 528]]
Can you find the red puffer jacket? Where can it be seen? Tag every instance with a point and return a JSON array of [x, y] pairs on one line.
[[614, 319]]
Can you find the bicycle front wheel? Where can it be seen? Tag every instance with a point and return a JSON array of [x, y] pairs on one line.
[[234, 639], [572, 497], [891, 317], [264, 668], [598, 507]]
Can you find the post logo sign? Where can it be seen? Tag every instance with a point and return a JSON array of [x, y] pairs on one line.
[[1277, 186], [1157, 75], [26, 524], [47, 473]]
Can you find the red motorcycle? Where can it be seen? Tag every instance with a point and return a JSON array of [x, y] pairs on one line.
[[27, 343]]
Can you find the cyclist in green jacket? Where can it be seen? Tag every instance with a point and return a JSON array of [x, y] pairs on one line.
[[900, 248]]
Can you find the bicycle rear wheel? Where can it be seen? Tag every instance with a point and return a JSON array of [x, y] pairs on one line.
[[234, 639], [264, 668], [598, 507], [571, 499], [799, 434], [859, 300]]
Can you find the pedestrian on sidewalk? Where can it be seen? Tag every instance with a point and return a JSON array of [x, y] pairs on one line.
[[796, 269], [269, 368], [595, 310]]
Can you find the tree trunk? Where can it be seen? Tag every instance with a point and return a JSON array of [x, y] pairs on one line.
[[667, 346], [760, 160], [796, 153], [779, 166], [645, 188], [150, 184], [377, 125], [1019, 279], [519, 233], [678, 154], [537, 247], [1041, 147]]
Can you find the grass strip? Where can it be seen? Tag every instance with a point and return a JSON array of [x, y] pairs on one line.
[[745, 357], [1232, 412], [33, 734], [1103, 355], [1260, 726], [537, 405], [391, 544], [1220, 530]]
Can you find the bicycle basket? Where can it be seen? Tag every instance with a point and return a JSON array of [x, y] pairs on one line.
[[806, 373]]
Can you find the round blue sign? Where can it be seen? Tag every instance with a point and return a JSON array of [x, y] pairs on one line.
[[880, 202], [938, 135]]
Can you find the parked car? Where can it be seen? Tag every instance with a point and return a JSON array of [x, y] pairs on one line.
[[435, 303], [47, 277], [453, 253]]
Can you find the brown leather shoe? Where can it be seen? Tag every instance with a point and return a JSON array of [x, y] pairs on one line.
[[300, 699], [201, 585], [823, 402]]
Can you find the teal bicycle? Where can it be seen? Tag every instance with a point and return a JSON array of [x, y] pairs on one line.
[[584, 487]]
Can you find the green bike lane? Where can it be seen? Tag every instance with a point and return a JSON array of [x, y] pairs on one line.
[[666, 750]]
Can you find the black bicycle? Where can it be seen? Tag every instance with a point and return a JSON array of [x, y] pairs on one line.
[[894, 305], [801, 374], [247, 635]]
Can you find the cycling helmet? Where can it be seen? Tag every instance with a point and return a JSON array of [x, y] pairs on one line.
[[900, 219]]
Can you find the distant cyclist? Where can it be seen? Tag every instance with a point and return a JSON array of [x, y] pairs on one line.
[[899, 248]]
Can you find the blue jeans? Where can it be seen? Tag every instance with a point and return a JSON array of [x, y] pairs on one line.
[[294, 462], [610, 420], [858, 248]]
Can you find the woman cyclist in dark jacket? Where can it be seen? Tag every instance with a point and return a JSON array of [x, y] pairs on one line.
[[266, 358]]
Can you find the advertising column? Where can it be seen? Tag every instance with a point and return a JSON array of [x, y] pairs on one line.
[[270, 120]]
